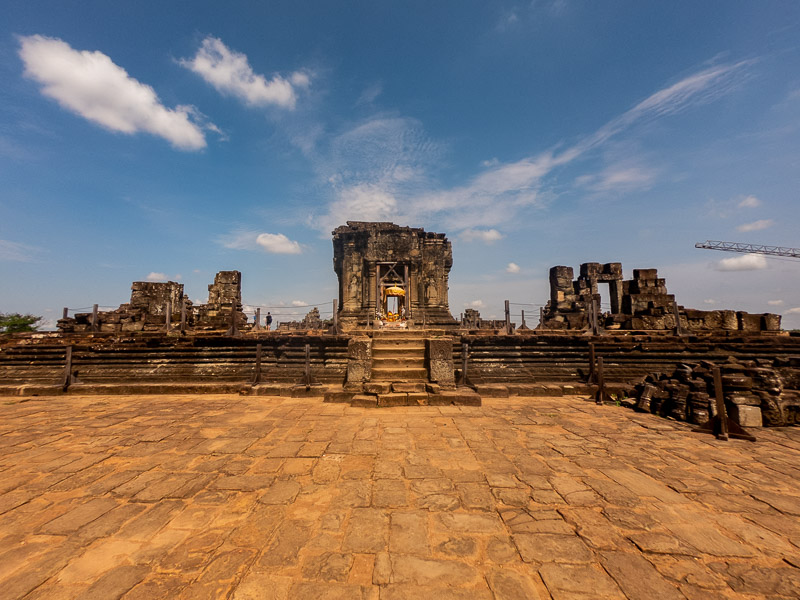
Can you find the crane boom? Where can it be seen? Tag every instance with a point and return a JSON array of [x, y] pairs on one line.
[[749, 248]]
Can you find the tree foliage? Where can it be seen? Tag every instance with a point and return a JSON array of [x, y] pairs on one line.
[[15, 323]]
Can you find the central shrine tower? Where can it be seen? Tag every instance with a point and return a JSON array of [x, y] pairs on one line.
[[369, 258]]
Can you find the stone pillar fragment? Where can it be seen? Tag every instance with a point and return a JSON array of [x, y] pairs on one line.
[[440, 361], [359, 361]]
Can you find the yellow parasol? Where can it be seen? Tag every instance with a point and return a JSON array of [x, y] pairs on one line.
[[394, 291]]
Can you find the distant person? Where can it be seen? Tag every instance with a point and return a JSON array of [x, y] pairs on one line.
[[269, 321]]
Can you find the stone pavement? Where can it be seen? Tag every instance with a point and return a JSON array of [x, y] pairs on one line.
[[268, 498]]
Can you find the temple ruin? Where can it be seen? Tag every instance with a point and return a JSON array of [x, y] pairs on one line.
[[371, 258], [392, 341], [641, 304], [155, 304]]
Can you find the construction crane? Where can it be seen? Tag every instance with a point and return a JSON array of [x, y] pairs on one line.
[[749, 248]]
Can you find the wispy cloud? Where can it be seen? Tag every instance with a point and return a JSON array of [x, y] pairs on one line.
[[746, 262], [619, 178], [389, 177], [370, 94], [512, 268], [793, 311], [487, 236], [775, 302], [230, 72], [91, 85], [749, 202], [17, 252], [756, 225], [240, 239]]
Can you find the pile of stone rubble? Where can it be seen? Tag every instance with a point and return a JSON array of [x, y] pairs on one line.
[[756, 393]]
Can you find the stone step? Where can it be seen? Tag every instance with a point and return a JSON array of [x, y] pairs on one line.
[[399, 345], [409, 387], [399, 374], [415, 345], [399, 361], [401, 334]]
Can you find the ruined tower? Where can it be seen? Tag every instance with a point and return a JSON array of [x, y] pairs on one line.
[[369, 257]]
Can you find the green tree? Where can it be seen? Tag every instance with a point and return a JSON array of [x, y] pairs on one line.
[[15, 322]]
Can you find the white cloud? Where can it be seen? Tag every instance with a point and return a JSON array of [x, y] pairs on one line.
[[793, 311], [475, 304], [299, 303], [709, 301], [750, 202], [746, 262], [16, 252], [756, 225], [512, 268], [775, 302], [277, 243], [230, 72], [488, 236], [153, 276], [92, 86]]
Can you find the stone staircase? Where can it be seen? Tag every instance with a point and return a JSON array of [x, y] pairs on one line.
[[399, 355], [400, 375]]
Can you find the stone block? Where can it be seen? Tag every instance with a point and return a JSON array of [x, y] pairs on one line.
[[612, 270], [392, 399], [771, 322], [364, 400], [440, 360], [645, 273], [729, 320], [591, 270], [359, 359], [746, 416], [748, 322], [417, 399], [377, 387], [408, 386], [338, 396], [492, 390]]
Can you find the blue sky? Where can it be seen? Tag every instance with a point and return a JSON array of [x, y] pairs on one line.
[[172, 140]]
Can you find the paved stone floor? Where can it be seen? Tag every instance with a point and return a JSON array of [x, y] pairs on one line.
[[270, 498]]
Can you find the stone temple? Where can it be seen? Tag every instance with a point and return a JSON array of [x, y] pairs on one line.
[[369, 258]]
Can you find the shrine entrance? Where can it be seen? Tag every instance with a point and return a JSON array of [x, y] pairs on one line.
[[393, 289]]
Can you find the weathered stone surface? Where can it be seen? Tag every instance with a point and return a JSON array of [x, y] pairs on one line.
[[546, 547], [710, 520], [281, 492], [582, 580], [637, 577], [367, 531]]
